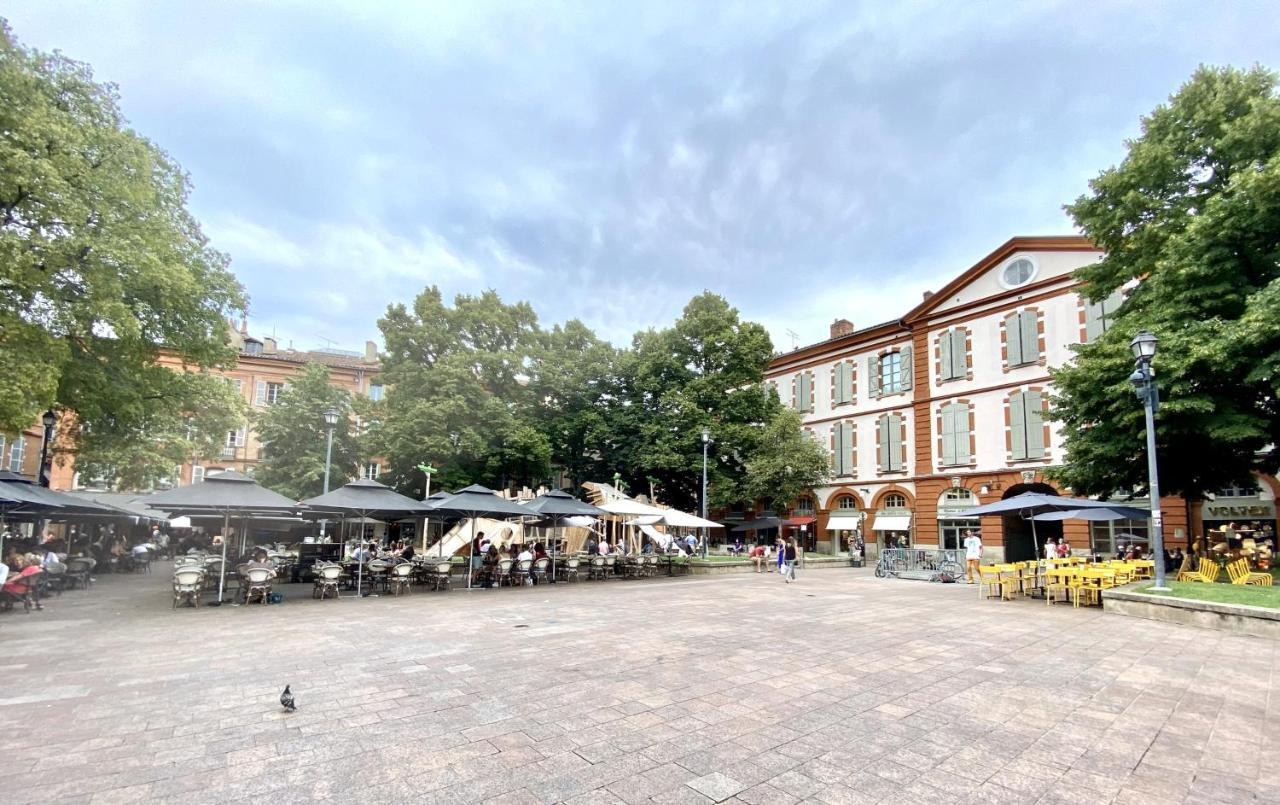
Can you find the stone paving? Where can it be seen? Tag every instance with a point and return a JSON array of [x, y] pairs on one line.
[[839, 688]]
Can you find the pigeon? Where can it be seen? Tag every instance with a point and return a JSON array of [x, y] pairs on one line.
[[286, 700]]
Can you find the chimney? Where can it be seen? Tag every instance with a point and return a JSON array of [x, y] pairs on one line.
[[370, 352], [841, 327], [928, 295], [269, 345], [244, 325]]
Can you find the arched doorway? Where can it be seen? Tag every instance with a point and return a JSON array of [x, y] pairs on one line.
[[1020, 540]]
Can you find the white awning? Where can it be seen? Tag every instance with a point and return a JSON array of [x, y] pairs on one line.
[[843, 523], [892, 522]]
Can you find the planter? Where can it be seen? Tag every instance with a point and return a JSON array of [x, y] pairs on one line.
[[1235, 618]]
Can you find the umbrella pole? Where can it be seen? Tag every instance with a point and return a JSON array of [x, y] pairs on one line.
[[222, 572], [553, 555], [471, 549]]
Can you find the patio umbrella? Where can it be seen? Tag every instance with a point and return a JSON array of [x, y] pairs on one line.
[[556, 506], [226, 493], [478, 501], [1108, 513], [1030, 504], [366, 499], [758, 524], [24, 496]]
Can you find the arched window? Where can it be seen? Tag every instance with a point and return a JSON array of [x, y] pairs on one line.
[[958, 496], [804, 506], [895, 500], [846, 502]]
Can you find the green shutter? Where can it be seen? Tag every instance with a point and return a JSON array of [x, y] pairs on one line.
[[1035, 424], [1030, 336], [895, 442], [873, 377], [904, 368], [948, 435], [960, 422], [805, 397], [1093, 321], [884, 443], [844, 382], [1013, 338], [959, 353], [1017, 425], [944, 355]]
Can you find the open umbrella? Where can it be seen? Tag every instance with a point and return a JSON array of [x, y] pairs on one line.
[[1030, 504], [226, 493], [556, 506], [478, 501], [1098, 514], [758, 524], [366, 499]]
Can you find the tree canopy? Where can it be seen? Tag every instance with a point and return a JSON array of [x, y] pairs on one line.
[[102, 266], [294, 437], [1190, 226]]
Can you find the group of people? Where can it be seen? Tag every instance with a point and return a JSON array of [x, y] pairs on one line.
[[395, 553], [487, 556], [783, 556]]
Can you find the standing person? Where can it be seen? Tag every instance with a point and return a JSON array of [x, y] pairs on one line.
[[790, 552], [1064, 548], [972, 554], [1050, 549], [782, 553]]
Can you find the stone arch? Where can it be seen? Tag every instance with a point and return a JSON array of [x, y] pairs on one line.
[[841, 491], [879, 497]]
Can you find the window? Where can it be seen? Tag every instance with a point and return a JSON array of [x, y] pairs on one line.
[[890, 443], [843, 447], [803, 398], [894, 500], [252, 347], [197, 474], [846, 503], [17, 449], [1017, 272], [1099, 315], [1026, 425], [375, 391], [804, 507], [955, 434], [842, 383], [1022, 338], [890, 373], [1228, 492], [1107, 537], [953, 348], [235, 439], [371, 470], [2, 443], [265, 393], [237, 384]]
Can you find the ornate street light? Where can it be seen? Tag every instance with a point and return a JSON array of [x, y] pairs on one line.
[[1143, 379], [49, 419], [706, 440]]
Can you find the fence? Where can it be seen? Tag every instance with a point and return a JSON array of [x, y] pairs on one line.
[[919, 563]]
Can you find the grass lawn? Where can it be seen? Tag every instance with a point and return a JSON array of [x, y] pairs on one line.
[[1222, 593]]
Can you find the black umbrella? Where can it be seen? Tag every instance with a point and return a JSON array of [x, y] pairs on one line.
[[20, 495], [758, 524], [366, 498], [557, 505], [478, 501], [1030, 504], [228, 492]]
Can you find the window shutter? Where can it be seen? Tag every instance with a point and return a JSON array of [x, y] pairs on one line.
[[805, 397], [795, 406], [1032, 401], [1017, 425], [1093, 326], [842, 440], [240, 435], [260, 392], [944, 352], [1030, 336], [959, 353], [895, 442], [960, 421], [948, 436], [883, 425], [873, 377], [904, 369], [1013, 338], [843, 382]]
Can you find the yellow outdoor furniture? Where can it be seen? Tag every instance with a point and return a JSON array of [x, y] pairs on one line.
[[1208, 571], [1092, 583], [989, 580], [1240, 574], [1012, 580], [1187, 570], [1145, 568], [1058, 582]]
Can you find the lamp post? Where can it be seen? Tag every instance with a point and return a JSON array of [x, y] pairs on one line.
[[330, 420], [49, 419], [706, 440], [1143, 379]]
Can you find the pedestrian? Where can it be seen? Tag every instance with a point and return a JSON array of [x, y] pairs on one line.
[[972, 554], [789, 567], [1050, 549], [780, 547], [757, 556], [1064, 548]]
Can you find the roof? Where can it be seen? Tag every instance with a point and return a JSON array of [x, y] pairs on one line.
[[312, 356], [849, 338], [127, 502]]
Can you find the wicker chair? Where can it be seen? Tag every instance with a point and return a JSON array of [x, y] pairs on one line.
[[571, 569], [441, 575], [520, 574], [188, 584], [327, 578], [400, 578], [596, 569], [78, 572], [540, 570], [258, 584]]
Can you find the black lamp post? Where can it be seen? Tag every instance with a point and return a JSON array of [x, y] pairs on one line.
[[1143, 379], [330, 420], [49, 419], [706, 440]]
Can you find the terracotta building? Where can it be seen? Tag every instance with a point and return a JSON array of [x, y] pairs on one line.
[[945, 408]]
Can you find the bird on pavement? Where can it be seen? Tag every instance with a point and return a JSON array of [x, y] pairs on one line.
[[286, 700]]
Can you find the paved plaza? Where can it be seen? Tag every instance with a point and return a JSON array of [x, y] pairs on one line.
[[840, 688]]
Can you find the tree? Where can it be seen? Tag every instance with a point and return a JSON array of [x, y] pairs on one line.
[[102, 267], [294, 437], [787, 462], [1190, 224]]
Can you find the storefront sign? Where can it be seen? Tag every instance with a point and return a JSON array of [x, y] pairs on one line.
[[1238, 509]]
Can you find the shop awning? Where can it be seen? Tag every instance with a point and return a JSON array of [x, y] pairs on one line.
[[837, 523], [798, 521], [892, 522]]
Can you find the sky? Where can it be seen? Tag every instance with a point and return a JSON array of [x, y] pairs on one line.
[[607, 161]]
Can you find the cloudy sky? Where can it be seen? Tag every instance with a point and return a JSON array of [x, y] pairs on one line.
[[607, 161]]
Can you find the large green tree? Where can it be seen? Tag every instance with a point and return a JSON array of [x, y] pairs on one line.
[[787, 462], [101, 267], [294, 437], [1190, 225]]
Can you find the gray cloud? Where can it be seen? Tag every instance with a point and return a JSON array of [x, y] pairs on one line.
[[608, 162]]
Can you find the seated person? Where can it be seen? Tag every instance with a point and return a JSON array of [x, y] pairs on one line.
[[603, 547], [259, 559], [758, 557], [407, 552], [539, 552]]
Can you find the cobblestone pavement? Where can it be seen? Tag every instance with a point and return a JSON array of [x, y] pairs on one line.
[[839, 688]]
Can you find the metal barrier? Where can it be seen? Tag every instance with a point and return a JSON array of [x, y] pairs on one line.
[[920, 563]]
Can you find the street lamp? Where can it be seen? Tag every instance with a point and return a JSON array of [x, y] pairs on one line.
[[330, 419], [1143, 379], [49, 419], [706, 440]]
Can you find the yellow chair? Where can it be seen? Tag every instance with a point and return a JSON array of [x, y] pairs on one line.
[[1093, 582], [1187, 570], [1011, 578], [1208, 571], [1145, 568], [990, 579], [1240, 574], [1058, 583]]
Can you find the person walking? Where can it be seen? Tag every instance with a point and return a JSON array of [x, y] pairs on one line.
[[789, 565], [972, 555], [782, 551]]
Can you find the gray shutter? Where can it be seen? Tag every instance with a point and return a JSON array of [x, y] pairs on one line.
[[850, 462], [806, 392], [1030, 336], [883, 426], [1035, 424], [960, 421], [959, 353], [844, 380], [948, 435], [895, 442], [904, 369], [1017, 425], [1093, 326], [260, 392], [944, 355], [1013, 338], [873, 377]]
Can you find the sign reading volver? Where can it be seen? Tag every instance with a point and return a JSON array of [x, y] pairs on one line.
[[1240, 509]]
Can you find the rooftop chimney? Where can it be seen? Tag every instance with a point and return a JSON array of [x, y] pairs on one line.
[[841, 327], [928, 295], [370, 352], [269, 345]]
